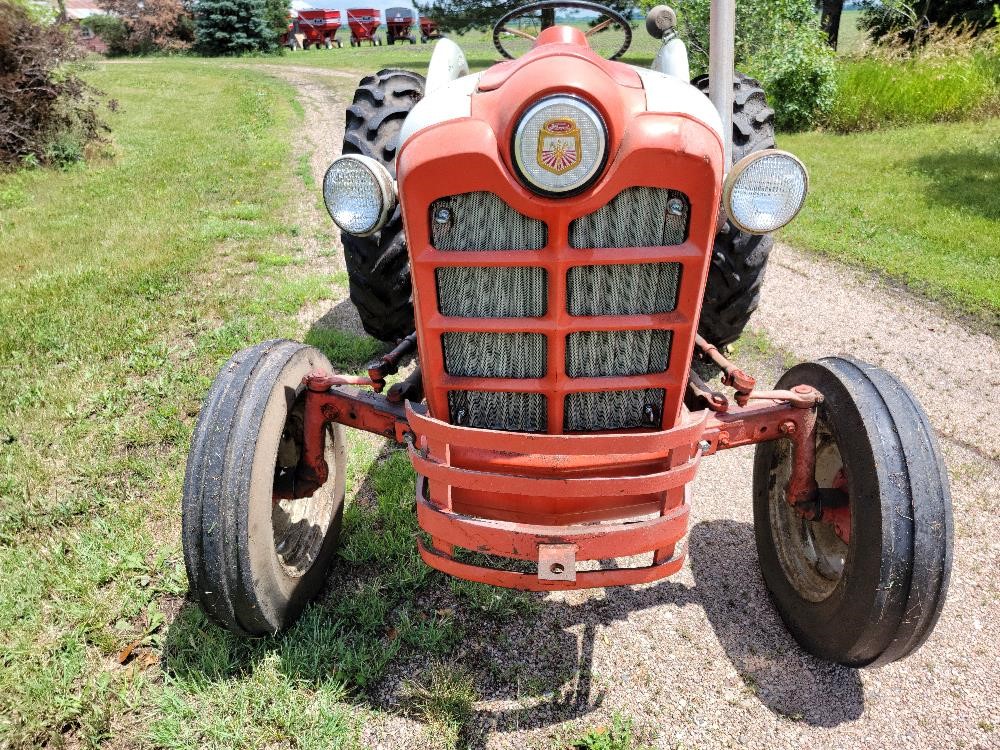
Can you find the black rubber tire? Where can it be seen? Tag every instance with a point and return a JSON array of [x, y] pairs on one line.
[[233, 567], [379, 266], [897, 566], [739, 260]]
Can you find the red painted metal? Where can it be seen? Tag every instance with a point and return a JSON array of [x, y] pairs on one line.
[[514, 494], [363, 22], [319, 25], [561, 501], [473, 154]]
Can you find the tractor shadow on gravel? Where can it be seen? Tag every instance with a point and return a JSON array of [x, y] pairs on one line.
[[385, 624], [773, 668]]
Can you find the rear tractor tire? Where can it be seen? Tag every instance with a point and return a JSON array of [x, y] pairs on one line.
[[867, 588], [254, 562], [378, 266], [732, 292]]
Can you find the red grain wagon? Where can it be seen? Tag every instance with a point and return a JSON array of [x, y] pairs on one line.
[[364, 22], [319, 27], [428, 29], [399, 22]]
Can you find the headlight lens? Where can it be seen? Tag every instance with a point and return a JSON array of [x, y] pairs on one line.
[[765, 191], [560, 145], [359, 194]]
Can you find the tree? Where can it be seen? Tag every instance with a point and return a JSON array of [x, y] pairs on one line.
[[149, 26], [232, 27], [48, 114], [906, 19], [778, 42], [830, 20], [276, 17]]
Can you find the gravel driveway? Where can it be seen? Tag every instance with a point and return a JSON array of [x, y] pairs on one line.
[[701, 659]]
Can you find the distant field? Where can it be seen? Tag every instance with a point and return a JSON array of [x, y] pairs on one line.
[[851, 37]]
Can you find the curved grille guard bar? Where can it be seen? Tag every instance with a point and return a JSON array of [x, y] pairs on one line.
[[554, 500]]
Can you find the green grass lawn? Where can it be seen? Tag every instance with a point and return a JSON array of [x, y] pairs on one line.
[[919, 204], [123, 287]]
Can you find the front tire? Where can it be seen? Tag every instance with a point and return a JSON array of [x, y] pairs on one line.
[[735, 277], [254, 563], [378, 266], [875, 598]]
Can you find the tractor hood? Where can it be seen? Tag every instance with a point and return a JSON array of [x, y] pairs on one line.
[[552, 68]]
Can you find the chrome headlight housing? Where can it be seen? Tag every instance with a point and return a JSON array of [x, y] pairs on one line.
[[560, 145], [359, 194], [765, 191]]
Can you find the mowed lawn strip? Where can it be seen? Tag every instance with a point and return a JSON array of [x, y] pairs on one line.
[[123, 285], [918, 204]]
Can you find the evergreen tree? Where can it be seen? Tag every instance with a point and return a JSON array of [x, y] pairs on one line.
[[232, 27], [276, 14]]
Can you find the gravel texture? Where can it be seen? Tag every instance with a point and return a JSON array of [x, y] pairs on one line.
[[701, 660]]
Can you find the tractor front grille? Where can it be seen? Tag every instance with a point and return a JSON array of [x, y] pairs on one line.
[[638, 217], [626, 289], [481, 221], [491, 410], [494, 355], [614, 410], [594, 354], [491, 292]]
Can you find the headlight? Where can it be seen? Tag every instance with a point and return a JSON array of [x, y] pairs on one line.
[[359, 194], [765, 190], [560, 145]]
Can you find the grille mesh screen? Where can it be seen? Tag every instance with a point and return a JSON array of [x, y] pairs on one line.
[[481, 221], [613, 410], [514, 292], [636, 217], [607, 353], [514, 412], [494, 355], [633, 289]]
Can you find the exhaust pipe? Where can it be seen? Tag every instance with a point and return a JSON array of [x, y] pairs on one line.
[[721, 63]]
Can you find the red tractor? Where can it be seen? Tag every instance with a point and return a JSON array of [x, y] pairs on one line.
[[556, 239], [364, 22]]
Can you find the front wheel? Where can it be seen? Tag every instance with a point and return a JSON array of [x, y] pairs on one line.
[[864, 585], [254, 562]]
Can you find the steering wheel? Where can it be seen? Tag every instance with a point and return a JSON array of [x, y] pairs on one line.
[[611, 17]]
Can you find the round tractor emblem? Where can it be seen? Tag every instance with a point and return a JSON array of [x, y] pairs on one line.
[[559, 145]]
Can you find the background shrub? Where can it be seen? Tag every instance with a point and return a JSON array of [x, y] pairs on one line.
[[780, 43], [146, 26], [112, 32], [47, 113], [906, 20], [954, 75]]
